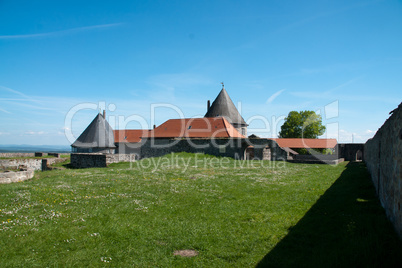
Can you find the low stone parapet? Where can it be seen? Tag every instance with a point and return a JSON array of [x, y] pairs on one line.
[[93, 160], [11, 176], [315, 157], [17, 154], [117, 158], [80, 160], [29, 163], [318, 161]]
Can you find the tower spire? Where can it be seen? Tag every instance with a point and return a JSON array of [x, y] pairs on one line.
[[223, 85]]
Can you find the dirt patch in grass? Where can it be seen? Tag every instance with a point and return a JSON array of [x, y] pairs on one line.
[[186, 253]]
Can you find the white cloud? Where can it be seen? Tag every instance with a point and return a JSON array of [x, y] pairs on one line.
[[35, 133], [63, 32], [354, 137], [273, 97], [5, 111]]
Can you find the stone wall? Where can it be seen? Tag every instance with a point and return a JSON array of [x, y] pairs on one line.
[[234, 148], [317, 159], [35, 164], [350, 151], [13, 155], [9, 177], [93, 150], [128, 148], [383, 157], [158, 147], [116, 158], [29, 163], [17, 154], [79, 160]]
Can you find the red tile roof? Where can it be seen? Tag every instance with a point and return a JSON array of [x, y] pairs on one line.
[[306, 143], [129, 135], [215, 127]]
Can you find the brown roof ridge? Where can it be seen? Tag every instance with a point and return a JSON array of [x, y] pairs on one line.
[[231, 127], [129, 135], [202, 127]]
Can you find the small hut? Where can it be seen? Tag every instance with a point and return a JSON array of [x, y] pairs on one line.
[[98, 137]]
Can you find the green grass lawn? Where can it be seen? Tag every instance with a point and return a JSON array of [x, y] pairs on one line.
[[233, 213]]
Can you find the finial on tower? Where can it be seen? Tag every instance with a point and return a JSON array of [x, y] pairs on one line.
[[223, 86]]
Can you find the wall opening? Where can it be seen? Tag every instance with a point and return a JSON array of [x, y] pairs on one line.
[[359, 155], [249, 153], [266, 153]]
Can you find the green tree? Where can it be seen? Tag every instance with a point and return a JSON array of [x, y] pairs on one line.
[[304, 124]]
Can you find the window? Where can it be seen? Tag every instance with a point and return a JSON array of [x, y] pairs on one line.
[[189, 127]]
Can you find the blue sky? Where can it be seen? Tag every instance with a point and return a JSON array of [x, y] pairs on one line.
[[148, 61]]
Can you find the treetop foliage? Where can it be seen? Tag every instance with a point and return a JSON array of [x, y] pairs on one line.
[[303, 124]]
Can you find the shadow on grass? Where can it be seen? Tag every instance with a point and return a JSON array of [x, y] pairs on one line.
[[68, 166], [63, 165], [347, 227]]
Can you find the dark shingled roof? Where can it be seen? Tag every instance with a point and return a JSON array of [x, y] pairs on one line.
[[223, 106], [99, 134]]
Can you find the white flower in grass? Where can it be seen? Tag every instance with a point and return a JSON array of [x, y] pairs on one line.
[[106, 259], [95, 234]]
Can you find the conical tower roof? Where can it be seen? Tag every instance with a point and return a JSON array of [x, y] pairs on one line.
[[223, 106], [99, 134]]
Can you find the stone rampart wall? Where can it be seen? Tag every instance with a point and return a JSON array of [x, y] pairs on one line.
[[17, 154], [383, 157], [80, 160], [116, 158], [234, 148], [317, 159], [30, 154], [35, 164], [128, 148], [349, 151], [29, 163], [9, 177]]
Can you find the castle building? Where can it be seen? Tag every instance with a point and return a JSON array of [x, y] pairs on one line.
[[222, 120], [223, 106], [98, 137], [221, 132]]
